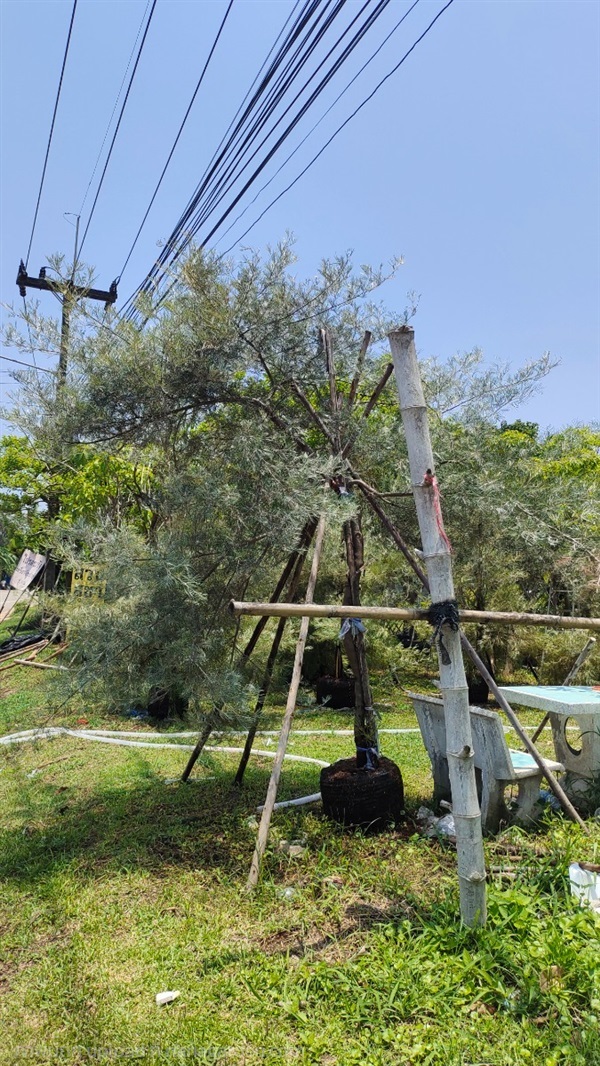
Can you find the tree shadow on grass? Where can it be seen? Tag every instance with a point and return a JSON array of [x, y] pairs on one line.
[[149, 824]]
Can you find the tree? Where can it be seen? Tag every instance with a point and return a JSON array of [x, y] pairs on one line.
[[227, 395]]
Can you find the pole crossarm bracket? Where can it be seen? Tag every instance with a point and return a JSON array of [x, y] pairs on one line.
[[68, 288]]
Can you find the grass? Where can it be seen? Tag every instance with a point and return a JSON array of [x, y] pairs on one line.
[[117, 884]]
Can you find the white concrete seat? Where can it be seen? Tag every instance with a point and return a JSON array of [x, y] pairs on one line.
[[496, 765]]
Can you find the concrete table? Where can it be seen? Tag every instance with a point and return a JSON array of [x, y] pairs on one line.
[[568, 705]]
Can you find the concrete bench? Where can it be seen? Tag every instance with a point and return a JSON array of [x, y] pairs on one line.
[[496, 765]]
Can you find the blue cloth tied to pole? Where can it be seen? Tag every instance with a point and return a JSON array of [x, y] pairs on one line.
[[353, 626]]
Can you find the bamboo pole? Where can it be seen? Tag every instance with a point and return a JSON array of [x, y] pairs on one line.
[[265, 821], [213, 720], [395, 614], [576, 667], [436, 551], [268, 674]]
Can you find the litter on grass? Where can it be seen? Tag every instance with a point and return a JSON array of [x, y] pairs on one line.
[[585, 884]]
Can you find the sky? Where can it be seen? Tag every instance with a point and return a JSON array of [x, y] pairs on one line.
[[478, 162]]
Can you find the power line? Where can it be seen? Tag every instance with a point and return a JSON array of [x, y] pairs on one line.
[[116, 103], [340, 128], [32, 366], [194, 216], [60, 81], [235, 117], [121, 113], [311, 7], [179, 132], [320, 120]]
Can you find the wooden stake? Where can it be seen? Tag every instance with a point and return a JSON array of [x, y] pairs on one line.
[[298, 552], [266, 681], [365, 722], [265, 821], [359, 367], [460, 755]]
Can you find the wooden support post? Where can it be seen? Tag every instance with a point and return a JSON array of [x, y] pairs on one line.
[[465, 805], [268, 674], [265, 821], [359, 367], [299, 551], [212, 721]]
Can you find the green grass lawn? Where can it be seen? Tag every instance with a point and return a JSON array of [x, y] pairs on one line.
[[117, 884]]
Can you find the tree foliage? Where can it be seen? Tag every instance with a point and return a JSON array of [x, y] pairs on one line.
[[223, 400]]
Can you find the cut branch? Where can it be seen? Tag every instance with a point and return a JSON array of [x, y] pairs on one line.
[[359, 368], [315, 416]]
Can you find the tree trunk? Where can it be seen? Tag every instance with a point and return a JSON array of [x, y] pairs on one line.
[[365, 722]]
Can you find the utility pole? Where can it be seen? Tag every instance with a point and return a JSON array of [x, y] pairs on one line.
[[70, 294]]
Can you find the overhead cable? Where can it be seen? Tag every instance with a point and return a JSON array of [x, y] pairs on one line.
[[179, 132], [32, 366], [341, 127], [116, 104], [193, 219], [58, 91], [270, 89], [320, 120], [121, 113]]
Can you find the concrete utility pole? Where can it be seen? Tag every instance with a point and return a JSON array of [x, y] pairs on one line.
[[70, 293]]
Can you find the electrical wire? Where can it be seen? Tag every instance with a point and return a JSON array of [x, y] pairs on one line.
[[231, 124], [121, 113], [340, 128], [60, 81], [294, 122], [179, 132], [116, 104], [320, 120], [32, 366], [311, 7], [179, 240]]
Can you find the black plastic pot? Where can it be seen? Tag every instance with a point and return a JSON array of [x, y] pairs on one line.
[[359, 798]]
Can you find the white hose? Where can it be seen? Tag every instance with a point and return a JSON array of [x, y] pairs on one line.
[[83, 734]]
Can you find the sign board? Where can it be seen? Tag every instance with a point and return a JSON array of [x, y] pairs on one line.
[[29, 566], [88, 583]]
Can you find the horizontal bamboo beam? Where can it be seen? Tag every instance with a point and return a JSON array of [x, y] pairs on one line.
[[407, 614]]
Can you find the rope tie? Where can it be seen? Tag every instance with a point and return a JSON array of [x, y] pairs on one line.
[[442, 614], [431, 481]]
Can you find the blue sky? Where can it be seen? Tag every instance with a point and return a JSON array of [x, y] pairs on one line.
[[479, 162]]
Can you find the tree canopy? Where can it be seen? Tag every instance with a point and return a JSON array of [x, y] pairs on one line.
[[189, 455]]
